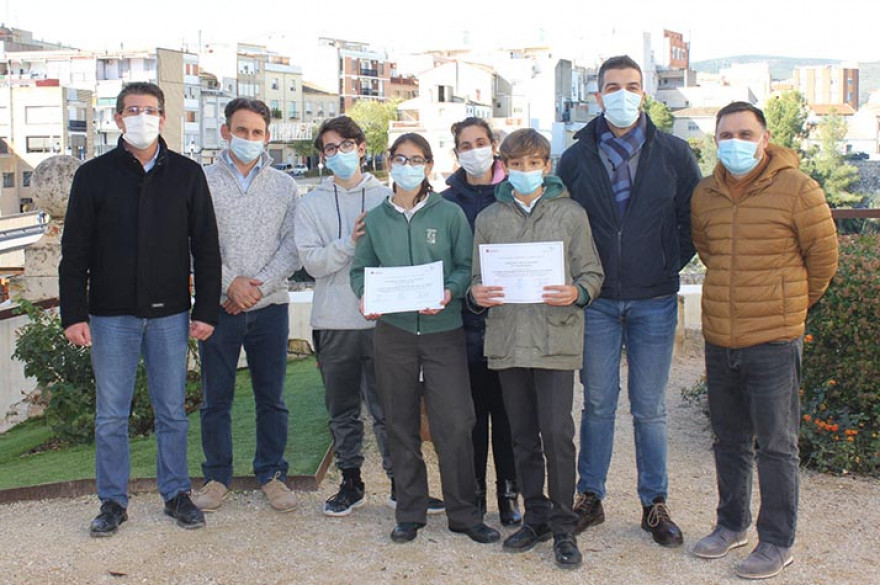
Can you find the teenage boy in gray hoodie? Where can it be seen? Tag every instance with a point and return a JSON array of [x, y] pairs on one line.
[[329, 222]]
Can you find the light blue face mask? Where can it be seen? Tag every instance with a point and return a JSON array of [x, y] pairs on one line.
[[344, 164], [245, 150], [409, 177], [622, 107], [738, 156], [526, 183]]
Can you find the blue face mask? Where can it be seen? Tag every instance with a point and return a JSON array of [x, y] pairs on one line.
[[245, 150], [407, 176], [344, 164], [738, 156], [526, 183], [622, 107]]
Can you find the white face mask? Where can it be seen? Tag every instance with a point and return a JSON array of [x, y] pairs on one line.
[[477, 161], [142, 130]]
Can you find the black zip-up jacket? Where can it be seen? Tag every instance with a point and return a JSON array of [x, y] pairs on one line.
[[128, 236], [643, 253], [472, 199]]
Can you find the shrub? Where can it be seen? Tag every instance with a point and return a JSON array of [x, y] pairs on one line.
[[64, 372], [840, 400]]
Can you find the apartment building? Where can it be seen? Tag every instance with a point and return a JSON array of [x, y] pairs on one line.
[[39, 119], [829, 84]]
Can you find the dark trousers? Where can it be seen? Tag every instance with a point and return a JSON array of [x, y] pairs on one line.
[[489, 405], [539, 407], [400, 356], [753, 394], [346, 361], [263, 334]]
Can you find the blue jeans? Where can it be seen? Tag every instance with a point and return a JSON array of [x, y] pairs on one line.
[[117, 345], [263, 334], [753, 393], [646, 327]]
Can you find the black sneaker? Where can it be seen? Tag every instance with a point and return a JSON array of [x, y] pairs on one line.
[[406, 531], [349, 497], [108, 521], [656, 520], [182, 509], [589, 510], [435, 505]]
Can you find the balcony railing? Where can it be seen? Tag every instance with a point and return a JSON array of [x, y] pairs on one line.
[[369, 73], [77, 125]]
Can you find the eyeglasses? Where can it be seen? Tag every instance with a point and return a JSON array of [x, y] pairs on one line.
[[345, 146], [138, 110], [400, 160]]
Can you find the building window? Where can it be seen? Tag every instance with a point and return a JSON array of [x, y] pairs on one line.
[[26, 178], [274, 83], [41, 144], [291, 110], [292, 86], [8, 180], [190, 116], [308, 106], [332, 109]]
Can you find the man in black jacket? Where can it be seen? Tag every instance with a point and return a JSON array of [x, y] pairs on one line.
[[635, 183], [135, 216]]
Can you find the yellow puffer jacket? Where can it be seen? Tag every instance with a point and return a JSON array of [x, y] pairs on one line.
[[769, 256]]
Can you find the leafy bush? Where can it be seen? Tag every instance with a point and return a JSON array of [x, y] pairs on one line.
[[840, 400], [64, 372]]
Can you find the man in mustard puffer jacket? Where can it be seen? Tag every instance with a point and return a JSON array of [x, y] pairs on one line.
[[765, 234]]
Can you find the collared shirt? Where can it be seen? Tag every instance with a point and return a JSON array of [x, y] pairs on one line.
[[527, 208], [152, 162], [408, 213], [243, 181]]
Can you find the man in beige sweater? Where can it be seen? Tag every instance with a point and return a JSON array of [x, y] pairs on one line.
[[765, 234]]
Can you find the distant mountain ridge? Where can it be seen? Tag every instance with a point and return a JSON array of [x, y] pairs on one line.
[[783, 68]]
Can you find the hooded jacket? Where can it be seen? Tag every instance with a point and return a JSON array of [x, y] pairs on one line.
[[769, 255], [539, 335], [643, 253], [324, 222], [437, 231], [472, 199], [128, 236]]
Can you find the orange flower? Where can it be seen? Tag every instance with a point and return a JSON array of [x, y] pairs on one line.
[[834, 428], [836, 438], [808, 339], [832, 382], [807, 418], [850, 439]]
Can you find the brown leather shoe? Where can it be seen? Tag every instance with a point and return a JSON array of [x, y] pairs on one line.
[[589, 510], [656, 520]]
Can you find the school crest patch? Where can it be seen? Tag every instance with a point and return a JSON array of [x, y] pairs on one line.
[[431, 235]]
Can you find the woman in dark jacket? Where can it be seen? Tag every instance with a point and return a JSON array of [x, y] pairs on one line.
[[472, 187]]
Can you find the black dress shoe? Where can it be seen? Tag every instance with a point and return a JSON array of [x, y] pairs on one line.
[[508, 510], [406, 531], [565, 551], [181, 508], [589, 510], [656, 520], [107, 522], [479, 533], [526, 538]]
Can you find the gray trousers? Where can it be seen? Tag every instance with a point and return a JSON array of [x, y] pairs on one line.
[[400, 356], [753, 395], [346, 361], [538, 404]]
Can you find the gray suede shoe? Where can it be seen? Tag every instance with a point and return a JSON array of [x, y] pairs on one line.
[[767, 560], [720, 542]]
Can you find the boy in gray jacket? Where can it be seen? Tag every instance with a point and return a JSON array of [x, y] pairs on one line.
[[537, 347], [329, 222]]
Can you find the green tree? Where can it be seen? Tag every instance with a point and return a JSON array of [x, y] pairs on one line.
[[706, 152], [787, 119], [827, 165], [660, 114], [373, 117]]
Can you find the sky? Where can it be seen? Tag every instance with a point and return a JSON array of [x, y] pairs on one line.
[[808, 28]]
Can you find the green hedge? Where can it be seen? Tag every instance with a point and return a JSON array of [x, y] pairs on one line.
[[840, 399]]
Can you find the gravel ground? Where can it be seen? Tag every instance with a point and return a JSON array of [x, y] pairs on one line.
[[247, 542]]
